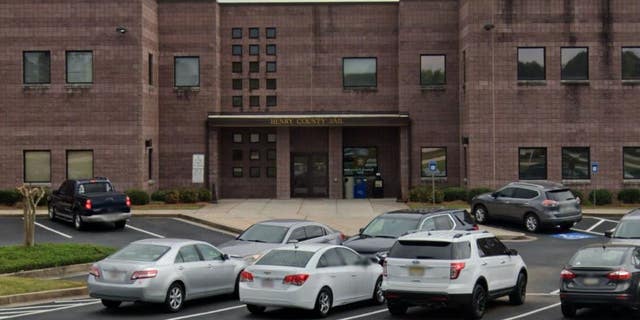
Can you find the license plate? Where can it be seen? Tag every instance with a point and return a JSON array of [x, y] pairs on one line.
[[115, 275], [416, 271], [267, 283], [591, 281]]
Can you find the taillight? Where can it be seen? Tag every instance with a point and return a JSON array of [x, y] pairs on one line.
[[343, 237], [246, 276], [456, 268], [87, 204], [128, 202], [550, 203], [475, 227], [578, 200], [567, 275], [94, 271], [144, 274], [295, 279], [385, 273], [619, 275]]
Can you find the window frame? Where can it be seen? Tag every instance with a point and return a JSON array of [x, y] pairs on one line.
[[588, 61], [274, 101], [255, 152], [446, 162], [233, 84], [254, 63], [588, 163], [233, 67], [623, 163], [273, 81], [66, 66], [254, 84], [233, 137], [251, 29], [175, 83], [275, 49], [150, 68], [254, 172], [546, 163], [275, 32], [274, 64], [233, 36], [420, 71], [251, 100], [24, 67], [345, 87], [234, 99], [544, 61], [233, 172], [622, 65], [268, 172], [237, 152], [24, 165], [254, 49], [233, 50], [93, 162]]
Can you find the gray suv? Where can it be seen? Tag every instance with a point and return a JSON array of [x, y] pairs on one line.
[[535, 204]]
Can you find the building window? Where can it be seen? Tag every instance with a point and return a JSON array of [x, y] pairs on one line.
[[359, 72], [254, 138], [37, 166], [254, 67], [36, 67], [150, 70], [575, 163], [236, 84], [236, 155], [237, 101], [187, 71], [271, 66], [254, 155], [237, 138], [271, 172], [271, 33], [359, 161], [236, 33], [532, 163], [254, 172], [631, 162], [254, 84], [236, 50], [272, 84], [272, 101], [575, 63], [271, 137], [254, 101], [254, 33], [236, 67], [631, 63], [254, 49], [439, 155], [432, 70], [271, 49], [531, 64], [79, 66], [237, 172], [271, 154], [79, 164]]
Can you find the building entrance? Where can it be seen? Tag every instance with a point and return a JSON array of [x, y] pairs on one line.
[[309, 175]]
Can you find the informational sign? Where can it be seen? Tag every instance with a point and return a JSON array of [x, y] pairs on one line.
[[595, 166], [433, 166], [197, 168]]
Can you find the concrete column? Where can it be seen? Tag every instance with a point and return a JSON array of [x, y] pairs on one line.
[[405, 162], [283, 167], [213, 170], [335, 163]]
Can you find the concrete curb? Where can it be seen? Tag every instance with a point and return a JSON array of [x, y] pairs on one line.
[[43, 295], [209, 223], [55, 272]]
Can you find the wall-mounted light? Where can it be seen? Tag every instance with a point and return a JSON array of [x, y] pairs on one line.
[[121, 29], [489, 26]]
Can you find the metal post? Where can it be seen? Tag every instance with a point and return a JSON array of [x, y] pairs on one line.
[[433, 188]]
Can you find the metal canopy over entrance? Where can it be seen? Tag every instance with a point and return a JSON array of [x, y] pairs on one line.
[[309, 120]]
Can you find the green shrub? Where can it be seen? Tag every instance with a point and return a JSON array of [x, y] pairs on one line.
[[477, 191], [138, 197], [9, 197], [423, 193], [631, 195], [188, 196], [204, 195], [455, 193], [602, 196], [158, 195], [172, 196]]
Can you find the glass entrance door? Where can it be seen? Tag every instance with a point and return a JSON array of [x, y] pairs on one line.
[[309, 174]]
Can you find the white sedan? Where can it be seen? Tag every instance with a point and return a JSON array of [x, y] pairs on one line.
[[310, 276]]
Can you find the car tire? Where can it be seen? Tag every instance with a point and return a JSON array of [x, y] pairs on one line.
[[324, 301], [568, 310], [519, 294], [531, 223], [236, 287], [256, 309], [397, 309], [174, 299], [77, 222], [51, 212], [119, 225], [478, 303], [378, 295], [481, 214], [111, 304]]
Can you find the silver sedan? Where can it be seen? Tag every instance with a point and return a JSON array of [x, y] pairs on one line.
[[169, 271]]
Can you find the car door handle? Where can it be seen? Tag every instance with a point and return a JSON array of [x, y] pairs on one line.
[[354, 275], [503, 262], [210, 266], [333, 277], [484, 263], [180, 268]]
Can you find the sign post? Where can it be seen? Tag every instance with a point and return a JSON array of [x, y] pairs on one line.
[[433, 168], [595, 167]]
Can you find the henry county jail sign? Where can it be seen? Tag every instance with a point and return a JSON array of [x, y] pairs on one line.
[[304, 122], [310, 120]]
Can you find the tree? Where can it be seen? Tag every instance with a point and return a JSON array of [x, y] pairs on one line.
[[31, 196]]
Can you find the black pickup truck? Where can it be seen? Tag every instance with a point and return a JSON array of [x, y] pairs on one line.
[[89, 201]]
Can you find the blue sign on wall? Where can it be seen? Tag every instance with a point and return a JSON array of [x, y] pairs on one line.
[[433, 166], [595, 166]]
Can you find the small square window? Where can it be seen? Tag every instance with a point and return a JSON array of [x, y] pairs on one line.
[[272, 101], [254, 101], [79, 164], [272, 84], [254, 66], [79, 66], [531, 64], [236, 50], [575, 63], [532, 163], [236, 33], [271, 49], [236, 84], [271, 33], [432, 70], [36, 67], [254, 138], [237, 138], [237, 101], [254, 155], [254, 33], [271, 154], [631, 63], [187, 71], [236, 67], [254, 49], [236, 155], [631, 162], [359, 72], [271, 66], [271, 172], [254, 84], [439, 155], [237, 172], [271, 137], [576, 163], [37, 166], [254, 172]]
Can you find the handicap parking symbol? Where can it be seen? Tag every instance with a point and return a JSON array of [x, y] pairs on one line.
[[573, 236]]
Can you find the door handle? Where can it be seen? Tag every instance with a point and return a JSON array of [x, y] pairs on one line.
[[180, 268], [503, 262], [333, 277], [484, 263], [210, 266], [354, 275]]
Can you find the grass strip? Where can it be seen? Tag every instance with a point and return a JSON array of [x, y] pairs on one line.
[[47, 255], [17, 285]]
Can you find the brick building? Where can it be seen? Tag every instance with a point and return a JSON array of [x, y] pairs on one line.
[[303, 98]]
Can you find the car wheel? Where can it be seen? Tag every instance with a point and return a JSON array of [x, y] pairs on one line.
[[478, 302], [568, 310], [175, 298], [481, 214], [236, 286], [77, 222], [519, 293], [531, 223], [111, 304], [397, 309], [120, 224], [323, 303], [378, 295], [256, 309], [52, 213]]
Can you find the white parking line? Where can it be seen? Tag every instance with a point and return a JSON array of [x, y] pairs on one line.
[[205, 227], [364, 314], [596, 225], [30, 313], [208, 312], [144, 231], [555, 292], [54, 231], [533, 312]]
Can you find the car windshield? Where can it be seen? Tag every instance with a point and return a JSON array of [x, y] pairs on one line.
[[94, 187], [629, 229], [286, 258], [436, 250], [264, 233], [560, 195], [390, 227], [140, 252], [599, 257]]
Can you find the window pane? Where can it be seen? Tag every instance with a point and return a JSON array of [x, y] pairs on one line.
[[236, 33], [439, 155], [254, 155], [254, 172], [254, 67], [141, 252], [272, 101], [236, 84], [631, 63], [237, 101], [533, 163], [631, 162], [237, 137], [237, 172], [236, 67], [271, 33], [359, 72], [358, 161], [286, 258], [271, 66], [37, 166], [254, 50], [187, 71], [79, 164], [236, 155], [271, 154], [271, 137], [271, 49], [432, 70], [575, 163], [271, 172], [575, 64], [531, 64], [254, 101], [272, 84], [79, 67], [37, 67], [254, 33], [236, 50], [254, 138], [254, 84]]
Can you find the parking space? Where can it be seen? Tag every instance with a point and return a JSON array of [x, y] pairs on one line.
[[595, 225]]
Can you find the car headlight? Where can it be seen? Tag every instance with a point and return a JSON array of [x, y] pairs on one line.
[[252, 258]]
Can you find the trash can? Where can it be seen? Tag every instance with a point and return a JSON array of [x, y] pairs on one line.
[[378, 186], [348, 187], [360, 188]]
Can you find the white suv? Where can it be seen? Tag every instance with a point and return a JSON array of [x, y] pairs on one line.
[[452, 268]]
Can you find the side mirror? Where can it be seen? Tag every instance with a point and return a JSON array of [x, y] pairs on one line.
[[361, 231], [225, 257], [608, 234], [512, 252]]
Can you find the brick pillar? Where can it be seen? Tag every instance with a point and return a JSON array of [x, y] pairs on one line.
[[214, 162], [405, 163], [335, 163], [283, 168]]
